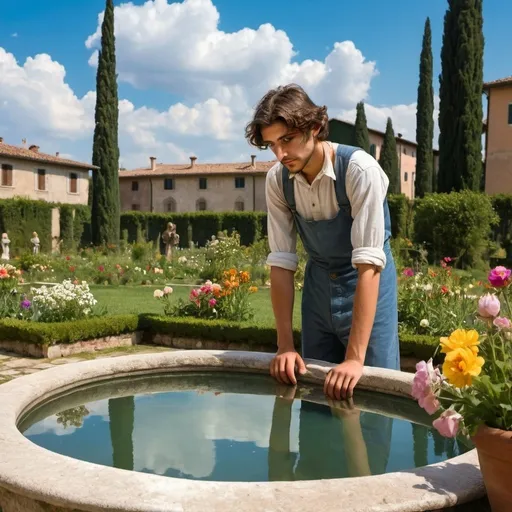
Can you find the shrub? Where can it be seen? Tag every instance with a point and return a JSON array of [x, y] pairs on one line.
[[457, 225]]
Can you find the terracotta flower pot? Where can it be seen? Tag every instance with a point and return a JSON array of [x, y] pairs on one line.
[[494, 448]]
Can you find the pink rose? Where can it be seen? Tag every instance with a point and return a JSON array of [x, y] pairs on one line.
[[429, 402], [448, 423], [167, 290], [212, 303], [488, 306], [194, 293], [502, 322], [499, 276], [409, 272], [424, 379]]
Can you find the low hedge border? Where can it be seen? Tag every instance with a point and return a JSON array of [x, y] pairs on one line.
[[417, 346]]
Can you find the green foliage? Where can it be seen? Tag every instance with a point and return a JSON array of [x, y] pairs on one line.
[[73, 219], [19, 218], [457, 225], [425, 118], [67, 332], [361, 135], [460, 94], [105, 154], [195, 226], [389, 159], [400, 211], [502, 233]]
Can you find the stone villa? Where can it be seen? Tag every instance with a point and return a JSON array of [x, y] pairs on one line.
[[195, 187], [498, 136], [35, 175]]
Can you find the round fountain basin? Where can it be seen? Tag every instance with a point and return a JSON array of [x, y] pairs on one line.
[[210, 430]]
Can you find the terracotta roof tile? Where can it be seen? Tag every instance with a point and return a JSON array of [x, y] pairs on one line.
[[499, 82], [200, 169], [7, 150]]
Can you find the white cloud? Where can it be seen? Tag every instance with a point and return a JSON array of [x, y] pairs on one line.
[[35, 96], [15, 34]]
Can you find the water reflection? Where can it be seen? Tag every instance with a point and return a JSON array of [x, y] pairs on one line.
[[259, 433]]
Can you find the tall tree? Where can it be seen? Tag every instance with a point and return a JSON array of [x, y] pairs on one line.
[[460, 94], [105, 211], [389, 159], [425, 118], [361, 135]]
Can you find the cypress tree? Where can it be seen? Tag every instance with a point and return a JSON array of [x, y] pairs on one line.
[[389, 159], [105, 212], [361, 136], [425, 118], [460, 93]]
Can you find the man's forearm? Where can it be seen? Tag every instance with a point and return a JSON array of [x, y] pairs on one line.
[[282, 292], [363, 315]]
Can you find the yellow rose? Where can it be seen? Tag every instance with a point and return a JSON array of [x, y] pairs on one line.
[[460, 338], [461, 365]]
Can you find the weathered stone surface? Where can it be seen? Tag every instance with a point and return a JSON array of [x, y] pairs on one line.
[[62, 483]]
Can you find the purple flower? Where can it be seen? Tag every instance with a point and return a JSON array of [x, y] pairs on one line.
[[499, 276], [25, 304]]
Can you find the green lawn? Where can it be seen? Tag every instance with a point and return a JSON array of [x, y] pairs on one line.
[[139, 299]]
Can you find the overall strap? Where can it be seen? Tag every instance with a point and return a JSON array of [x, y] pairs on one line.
[[343, 155], [288, 189]]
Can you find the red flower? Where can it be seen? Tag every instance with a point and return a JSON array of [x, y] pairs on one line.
[[101, 268], [71, 268], [444, 289]]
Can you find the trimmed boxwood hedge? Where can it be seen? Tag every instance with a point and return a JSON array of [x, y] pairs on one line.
[[418, 346]]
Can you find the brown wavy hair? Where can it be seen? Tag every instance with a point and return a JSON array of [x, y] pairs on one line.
[[291, 105]]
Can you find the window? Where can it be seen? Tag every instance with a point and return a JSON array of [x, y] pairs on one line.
[[510, 113], [414, 154], [405, 151], [135, 186], [239, 205], [168, 184], [6, 175], [203, 183], [41, 179], [73, 183], [405, 176], [373, 150], [239, 182], [170, 205], [135, 207], [201, 205]]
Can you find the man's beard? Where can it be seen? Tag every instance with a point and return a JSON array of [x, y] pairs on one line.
[[305, 164]]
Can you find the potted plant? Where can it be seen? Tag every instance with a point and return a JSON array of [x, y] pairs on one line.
[[471, 392]]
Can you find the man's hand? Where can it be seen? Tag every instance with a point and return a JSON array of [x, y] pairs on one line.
[[341, 380], [284, 364]]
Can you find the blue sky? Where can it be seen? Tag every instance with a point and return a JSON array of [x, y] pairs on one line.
[[381, 67]]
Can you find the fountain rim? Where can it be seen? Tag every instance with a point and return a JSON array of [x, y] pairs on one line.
[[39, 474]]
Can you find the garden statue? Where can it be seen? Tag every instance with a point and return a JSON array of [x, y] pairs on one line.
[[170, 239], [35, 242], [5, 246]]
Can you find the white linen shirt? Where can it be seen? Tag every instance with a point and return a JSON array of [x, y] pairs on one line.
[[366, 187]]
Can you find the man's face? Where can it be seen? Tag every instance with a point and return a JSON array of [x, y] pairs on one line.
[[290, 146]]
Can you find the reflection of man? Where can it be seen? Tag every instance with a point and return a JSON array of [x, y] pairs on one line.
[[357, 444]]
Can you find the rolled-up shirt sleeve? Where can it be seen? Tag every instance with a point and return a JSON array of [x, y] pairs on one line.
[[282, 236], [366, 190]]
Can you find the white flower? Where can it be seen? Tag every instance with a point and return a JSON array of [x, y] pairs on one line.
[[424, 323], [158, 294], [167, 290], [427, 287]]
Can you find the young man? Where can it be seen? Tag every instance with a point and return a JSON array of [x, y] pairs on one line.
[[334, 196]]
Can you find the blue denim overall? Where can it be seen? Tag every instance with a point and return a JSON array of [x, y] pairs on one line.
[[330, 281], [327, 302]]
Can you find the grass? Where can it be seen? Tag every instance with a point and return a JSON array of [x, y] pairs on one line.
[[139, 300]]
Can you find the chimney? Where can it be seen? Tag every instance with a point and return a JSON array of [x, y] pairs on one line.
[[253, 158], [1, 140], [152, 159], [57, 154], [34, 148], [193, 161]]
